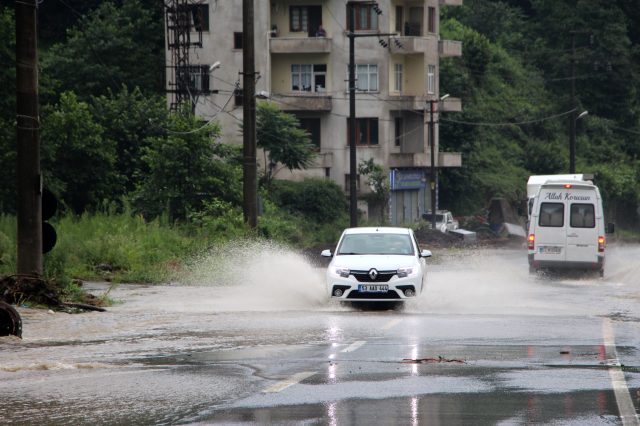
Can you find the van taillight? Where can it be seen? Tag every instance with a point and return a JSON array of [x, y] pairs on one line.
[[531, 241], [601, 244]]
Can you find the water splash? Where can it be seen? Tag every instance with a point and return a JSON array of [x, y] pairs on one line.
[[257, 275]]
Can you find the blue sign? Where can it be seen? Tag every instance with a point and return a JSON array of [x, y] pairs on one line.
[[407, 179]]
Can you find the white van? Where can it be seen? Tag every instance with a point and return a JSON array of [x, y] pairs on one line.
[[566, 227]]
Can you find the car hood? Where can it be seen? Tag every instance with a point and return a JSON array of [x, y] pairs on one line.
[[380, 262]]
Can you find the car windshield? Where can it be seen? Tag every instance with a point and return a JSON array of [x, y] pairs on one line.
[[376, 244], [439, 217]]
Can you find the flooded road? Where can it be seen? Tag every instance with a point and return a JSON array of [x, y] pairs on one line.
[[246, 336]]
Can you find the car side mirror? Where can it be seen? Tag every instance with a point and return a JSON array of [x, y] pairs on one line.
[[326, 253], [425, 253], [611, 228]]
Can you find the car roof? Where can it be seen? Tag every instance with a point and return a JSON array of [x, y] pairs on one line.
[[377, 229]]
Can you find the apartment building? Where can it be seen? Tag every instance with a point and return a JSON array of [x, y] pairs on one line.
[[304, 69]]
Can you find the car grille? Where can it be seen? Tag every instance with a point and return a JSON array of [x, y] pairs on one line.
[[384, 295], [382, 277]]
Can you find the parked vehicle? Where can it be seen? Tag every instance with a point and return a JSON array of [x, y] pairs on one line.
[[567, 227], [445, 221], [381, 264]]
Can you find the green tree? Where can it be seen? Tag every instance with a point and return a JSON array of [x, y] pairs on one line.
[[379, 182], [78, 163], [130, 119], [7, 110], [187, 170], [283, 141], [113, 45]]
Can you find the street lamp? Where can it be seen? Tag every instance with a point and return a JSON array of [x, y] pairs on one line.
[[572, 139], [432, 140]]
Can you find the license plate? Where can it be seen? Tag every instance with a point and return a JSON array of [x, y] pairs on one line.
[[550, 250], [372, 288]]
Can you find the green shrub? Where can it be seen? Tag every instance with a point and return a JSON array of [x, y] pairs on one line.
[[319, 200]]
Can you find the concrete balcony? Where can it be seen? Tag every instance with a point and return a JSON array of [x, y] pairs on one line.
[[407, 45], [449, 48], [450, 2], [306, 101], [423, 159], [409, 102], [452, 105], [449, 159], [300, 45]]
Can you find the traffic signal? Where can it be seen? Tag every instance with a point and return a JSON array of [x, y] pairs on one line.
[[49, 207]]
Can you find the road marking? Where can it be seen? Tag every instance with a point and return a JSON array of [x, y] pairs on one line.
[[620, 389], [355, 345], [391, 324], [293, 380]]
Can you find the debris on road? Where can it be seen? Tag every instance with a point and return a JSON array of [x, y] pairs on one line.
[[431, 360]]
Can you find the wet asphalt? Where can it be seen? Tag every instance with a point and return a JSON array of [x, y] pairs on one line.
[[485, 344]]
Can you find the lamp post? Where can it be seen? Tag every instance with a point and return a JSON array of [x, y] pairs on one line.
[[432, 140], [572, 140]]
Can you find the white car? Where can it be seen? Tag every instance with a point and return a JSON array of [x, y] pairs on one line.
[[445, 221], [380, 264]]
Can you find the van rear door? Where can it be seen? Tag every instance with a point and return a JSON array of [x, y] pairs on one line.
[[582, 234], [551, 235]]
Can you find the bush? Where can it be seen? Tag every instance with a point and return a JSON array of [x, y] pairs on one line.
[[319, 200]]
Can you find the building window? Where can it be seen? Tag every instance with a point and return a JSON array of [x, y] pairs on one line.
[[299, 19], [413, 27], [431, 79], [199, 17], [399, 19], [398, 73], [365, 16], [305, 19], [308, 78], [237, 41], [366, 131], [431, 24], [198, 78], [312, 126], [398, 131], [366, 78]]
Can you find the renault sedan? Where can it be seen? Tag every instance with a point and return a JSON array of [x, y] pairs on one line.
[[382, 264]]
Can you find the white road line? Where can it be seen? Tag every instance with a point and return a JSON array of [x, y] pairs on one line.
[[620, 389], [391, 324], [293, 380], [355, 345]]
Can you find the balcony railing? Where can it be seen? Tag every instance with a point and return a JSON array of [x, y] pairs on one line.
[[300, 45], [449, 48], [407, 45], [306, 101]]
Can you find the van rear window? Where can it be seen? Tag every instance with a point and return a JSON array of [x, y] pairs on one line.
[[551, 214], [582, 216]]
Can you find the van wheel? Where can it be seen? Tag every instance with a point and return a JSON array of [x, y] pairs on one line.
[[10, 321]]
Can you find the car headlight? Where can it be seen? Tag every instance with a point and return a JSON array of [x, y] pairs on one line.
[[406, 272], [343, 272]]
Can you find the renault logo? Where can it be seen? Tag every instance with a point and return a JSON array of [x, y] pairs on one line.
[[373, 274]]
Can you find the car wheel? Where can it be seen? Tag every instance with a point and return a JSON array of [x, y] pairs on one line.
[[10, 321]]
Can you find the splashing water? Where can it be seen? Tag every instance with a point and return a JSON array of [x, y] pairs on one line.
[[257, 275]]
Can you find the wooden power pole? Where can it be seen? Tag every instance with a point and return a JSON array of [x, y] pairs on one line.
[[29, 179], [249, 164]]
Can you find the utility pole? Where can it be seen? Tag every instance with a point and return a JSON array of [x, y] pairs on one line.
[[432, 182], [353, 204], [572, 115], [353, 170], [29, 179], [250, 181]]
